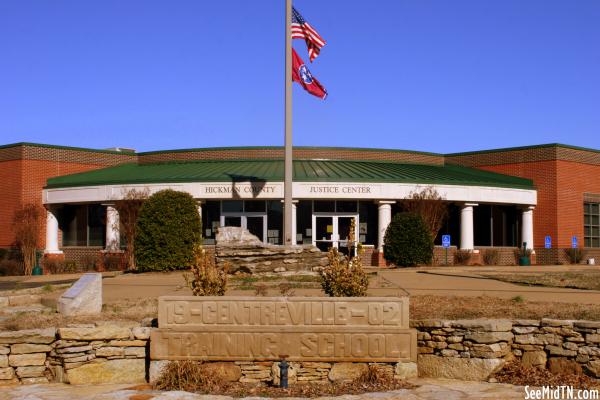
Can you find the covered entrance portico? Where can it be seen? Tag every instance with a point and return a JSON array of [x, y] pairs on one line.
[[327, 198]]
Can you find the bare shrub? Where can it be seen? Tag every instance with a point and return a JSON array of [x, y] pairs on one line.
[[344, 276], [26, 225], [377, 375], [462, 257], [189, 376], [112, 261], [286, 289], [261, 289], [88, 262], [54, 266], [516, 373], [128, 208], [430, 205], [206, 278], [491, 257], [10, 267], [575, 256]]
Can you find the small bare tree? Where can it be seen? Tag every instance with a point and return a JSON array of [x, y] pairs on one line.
[[128, 208], [27, 225], [430, 205]]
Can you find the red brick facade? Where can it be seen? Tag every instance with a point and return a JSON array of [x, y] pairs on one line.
[[24, 169], [562, 176]]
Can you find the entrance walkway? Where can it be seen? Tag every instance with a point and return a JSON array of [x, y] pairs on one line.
[[449, 281]]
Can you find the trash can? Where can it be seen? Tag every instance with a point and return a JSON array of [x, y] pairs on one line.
[[37, 269]]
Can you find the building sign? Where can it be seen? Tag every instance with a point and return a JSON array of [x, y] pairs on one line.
[[246, 190], [303, 329], [334, 190], [331, 189]]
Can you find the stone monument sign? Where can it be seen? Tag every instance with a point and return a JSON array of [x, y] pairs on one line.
[[367, 329], [84, 297]]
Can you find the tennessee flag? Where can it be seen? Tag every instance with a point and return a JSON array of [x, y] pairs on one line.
[[302, 75]]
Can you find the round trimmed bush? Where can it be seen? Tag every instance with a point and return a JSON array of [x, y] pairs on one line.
[[168, 228], [408, 241]]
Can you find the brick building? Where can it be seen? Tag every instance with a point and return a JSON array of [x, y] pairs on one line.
[[497, 198]]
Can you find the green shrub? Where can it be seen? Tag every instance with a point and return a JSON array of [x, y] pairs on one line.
[[408, 241], [168, 227]]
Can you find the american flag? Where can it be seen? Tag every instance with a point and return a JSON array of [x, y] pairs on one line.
[[302, 30]]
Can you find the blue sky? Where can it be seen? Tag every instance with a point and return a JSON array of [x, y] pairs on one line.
[[431, 75]]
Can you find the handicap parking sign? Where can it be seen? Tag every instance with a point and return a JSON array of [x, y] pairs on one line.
[[548, 242], [446, 241], [574, 242]]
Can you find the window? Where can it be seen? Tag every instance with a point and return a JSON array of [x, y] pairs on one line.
[[591, 224], [83, 225]]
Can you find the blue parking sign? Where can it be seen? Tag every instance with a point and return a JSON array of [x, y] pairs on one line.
[[446, 241], [548, 242], [574, 242]]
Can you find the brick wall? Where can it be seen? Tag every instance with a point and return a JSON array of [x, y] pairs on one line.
[[24, 170], [10, 198], [561, 176]]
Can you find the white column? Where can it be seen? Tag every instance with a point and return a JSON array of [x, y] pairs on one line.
[[294, 222], [51, 234], [113, 232], [199, 202], [466, 226], [385, 217], [527, 226]]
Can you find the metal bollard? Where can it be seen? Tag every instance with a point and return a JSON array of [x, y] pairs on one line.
[[283, 374]]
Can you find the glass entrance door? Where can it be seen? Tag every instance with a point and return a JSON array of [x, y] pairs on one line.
[[333, 230], [323, 235]]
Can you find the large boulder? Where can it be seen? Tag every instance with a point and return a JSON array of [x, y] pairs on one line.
[[243, 252], [346, 371], [467, 369]]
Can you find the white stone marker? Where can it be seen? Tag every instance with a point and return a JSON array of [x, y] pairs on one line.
[[84, 297]]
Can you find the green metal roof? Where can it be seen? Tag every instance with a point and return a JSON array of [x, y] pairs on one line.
[[304, 171]]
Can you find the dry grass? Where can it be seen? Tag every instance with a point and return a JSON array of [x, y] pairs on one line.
[[463, 307], [123, 311], [192, 376], [421, 307], [574, 280], [516, 373], [189, 376]]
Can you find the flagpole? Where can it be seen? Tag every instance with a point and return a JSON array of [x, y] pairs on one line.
[[288, 172]]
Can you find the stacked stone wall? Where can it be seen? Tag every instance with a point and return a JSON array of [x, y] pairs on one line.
[[475, 349], [456, 349], [79, 355]]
